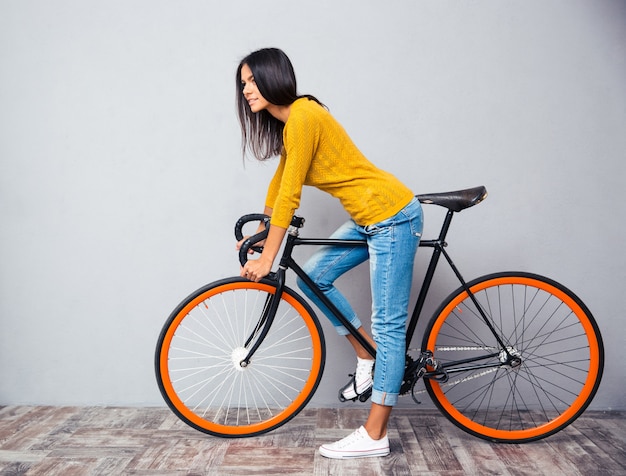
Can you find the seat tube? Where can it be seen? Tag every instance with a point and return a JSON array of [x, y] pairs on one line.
[[430, 272]]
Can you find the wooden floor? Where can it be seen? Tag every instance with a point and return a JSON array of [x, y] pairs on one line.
[[152, 441]]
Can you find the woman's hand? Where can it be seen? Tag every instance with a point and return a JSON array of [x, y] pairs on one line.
[[255, 270]]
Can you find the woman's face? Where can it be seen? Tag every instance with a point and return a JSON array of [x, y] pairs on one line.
[[250, 91]]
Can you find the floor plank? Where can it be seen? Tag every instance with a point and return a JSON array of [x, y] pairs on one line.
[[81, 441]]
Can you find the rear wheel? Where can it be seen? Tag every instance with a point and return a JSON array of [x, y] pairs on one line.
[[543, 378], [200, 349]]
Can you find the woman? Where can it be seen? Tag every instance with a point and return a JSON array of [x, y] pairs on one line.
[[315, 150]]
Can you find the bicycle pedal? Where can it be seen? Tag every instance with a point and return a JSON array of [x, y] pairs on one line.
[[363, 397], [343, 399], [352, 384]]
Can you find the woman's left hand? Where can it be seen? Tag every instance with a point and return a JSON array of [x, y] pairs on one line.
[[257, 269]]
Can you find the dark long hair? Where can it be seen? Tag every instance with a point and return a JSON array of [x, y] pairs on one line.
[[262, 133]]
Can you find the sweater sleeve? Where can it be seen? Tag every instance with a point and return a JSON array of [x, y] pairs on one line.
[[274, 186], [300, 140]]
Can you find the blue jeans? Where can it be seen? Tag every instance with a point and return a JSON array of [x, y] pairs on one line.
[[391, 247]]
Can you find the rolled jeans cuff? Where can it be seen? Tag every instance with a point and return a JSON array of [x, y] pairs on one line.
[[342, 331], [384, 398]]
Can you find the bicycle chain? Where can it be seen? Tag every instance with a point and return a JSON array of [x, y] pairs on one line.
[[482, 347], [465, 379], [408, 383]]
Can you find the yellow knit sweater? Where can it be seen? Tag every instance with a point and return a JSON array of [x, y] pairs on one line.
[[318, 152]]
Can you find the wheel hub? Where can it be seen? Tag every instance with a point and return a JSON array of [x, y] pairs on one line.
[[511, 356], [237, 356]]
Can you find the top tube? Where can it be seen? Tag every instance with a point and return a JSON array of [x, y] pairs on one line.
[[455, 202]]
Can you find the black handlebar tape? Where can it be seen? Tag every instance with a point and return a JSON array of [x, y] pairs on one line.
[[251, 241], [246, 219]]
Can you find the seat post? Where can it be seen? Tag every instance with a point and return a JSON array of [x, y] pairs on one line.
[[428, 278], [445, 227]]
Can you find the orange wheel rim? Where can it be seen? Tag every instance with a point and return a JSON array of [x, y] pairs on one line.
[[261, 426], [576, 405]]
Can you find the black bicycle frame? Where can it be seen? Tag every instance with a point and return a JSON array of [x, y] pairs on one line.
[[287, 262]]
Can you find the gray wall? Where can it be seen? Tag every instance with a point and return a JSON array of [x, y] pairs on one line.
[[121, 175]]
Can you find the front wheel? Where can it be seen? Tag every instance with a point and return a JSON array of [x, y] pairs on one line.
[[539, 381], [201, 347]]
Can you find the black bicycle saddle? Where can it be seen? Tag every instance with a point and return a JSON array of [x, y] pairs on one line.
[[455, 201]]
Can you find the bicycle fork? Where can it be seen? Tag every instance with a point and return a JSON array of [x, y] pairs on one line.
[[266, 319]]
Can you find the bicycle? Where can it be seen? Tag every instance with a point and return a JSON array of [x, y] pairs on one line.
[[508, 357]]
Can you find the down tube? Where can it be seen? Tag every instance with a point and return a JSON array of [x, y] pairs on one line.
[[353, 331]]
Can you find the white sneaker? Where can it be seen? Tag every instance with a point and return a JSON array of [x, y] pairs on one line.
[[360, 382], [356, 445]]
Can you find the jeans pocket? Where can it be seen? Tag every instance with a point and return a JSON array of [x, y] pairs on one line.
[[378, 228], [413, 213], [417, 225]]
